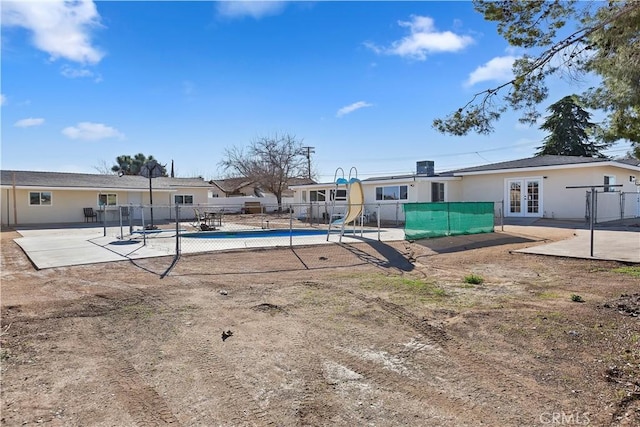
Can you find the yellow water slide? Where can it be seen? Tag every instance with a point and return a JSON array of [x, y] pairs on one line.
[[355, 201]]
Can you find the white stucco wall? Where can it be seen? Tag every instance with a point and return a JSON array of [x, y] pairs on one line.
[[67, 205], [556, 201], [418, 190], [454, 191]]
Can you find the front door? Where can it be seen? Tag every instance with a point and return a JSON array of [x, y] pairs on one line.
[[524, 197]]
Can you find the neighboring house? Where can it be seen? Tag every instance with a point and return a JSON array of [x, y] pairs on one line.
[[233, 187], [532, 187], [29, 197], [288, 194], [232, 193]]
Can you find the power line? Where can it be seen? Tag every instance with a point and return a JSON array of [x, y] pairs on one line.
[[483, 158], [508, 147], [457, 165]]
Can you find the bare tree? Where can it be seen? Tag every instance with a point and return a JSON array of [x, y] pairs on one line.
[[103, 168], [269, 162]]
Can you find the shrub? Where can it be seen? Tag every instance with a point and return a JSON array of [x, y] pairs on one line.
[[576, 298], [474, 279]]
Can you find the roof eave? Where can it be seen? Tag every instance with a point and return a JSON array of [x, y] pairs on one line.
[[550, 167], [51, 188]]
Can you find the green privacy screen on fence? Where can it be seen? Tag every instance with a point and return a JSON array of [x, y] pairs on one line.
[[425, 220]]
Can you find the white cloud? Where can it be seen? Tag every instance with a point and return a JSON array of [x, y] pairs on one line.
[[3, 99], [60, 28], [254, 9], [422, 40], [75, 73], [352, 107], [27, 123], [91, 131], [497, 69]]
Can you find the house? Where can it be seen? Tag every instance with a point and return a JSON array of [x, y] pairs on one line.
[[232, 193], [30, 197], [537, 186], [532, 187], [234, 187]]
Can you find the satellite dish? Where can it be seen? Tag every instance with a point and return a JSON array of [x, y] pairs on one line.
[[151, 169]]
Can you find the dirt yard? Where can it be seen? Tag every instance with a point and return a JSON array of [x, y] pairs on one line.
[[380, 335]]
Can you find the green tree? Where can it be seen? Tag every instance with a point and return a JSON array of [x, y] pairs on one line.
[[128, 165], [634, 152], [572, 134], [270, 162], [616, 59], [605, 41]]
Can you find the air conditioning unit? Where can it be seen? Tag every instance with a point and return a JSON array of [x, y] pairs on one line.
[[425, 167]]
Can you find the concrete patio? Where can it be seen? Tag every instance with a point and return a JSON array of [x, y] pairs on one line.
[[67, 246]]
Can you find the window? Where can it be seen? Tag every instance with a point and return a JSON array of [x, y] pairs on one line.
[[338, 195], [437, 191], [108, 199], [609, 180], [40, 198], [183, 199], [317, 195], [396, 192], [304, 195]]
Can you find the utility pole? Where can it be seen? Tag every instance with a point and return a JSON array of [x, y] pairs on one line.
[[307, 151]]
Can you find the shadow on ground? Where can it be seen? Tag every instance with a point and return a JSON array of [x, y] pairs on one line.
[[390, 256], [443, 245]]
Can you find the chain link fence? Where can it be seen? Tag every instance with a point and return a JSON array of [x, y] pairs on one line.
[[189, 229], [613, 206], [176, 230], [209, 227]]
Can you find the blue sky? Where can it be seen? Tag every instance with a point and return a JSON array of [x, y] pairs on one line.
[[361, 82]]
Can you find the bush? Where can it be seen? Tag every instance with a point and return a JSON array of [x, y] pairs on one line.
[[576, 298], [474, 279]]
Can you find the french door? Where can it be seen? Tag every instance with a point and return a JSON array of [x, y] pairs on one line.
[[524, 197]]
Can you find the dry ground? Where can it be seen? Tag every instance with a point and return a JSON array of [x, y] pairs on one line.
[[380, 335]]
